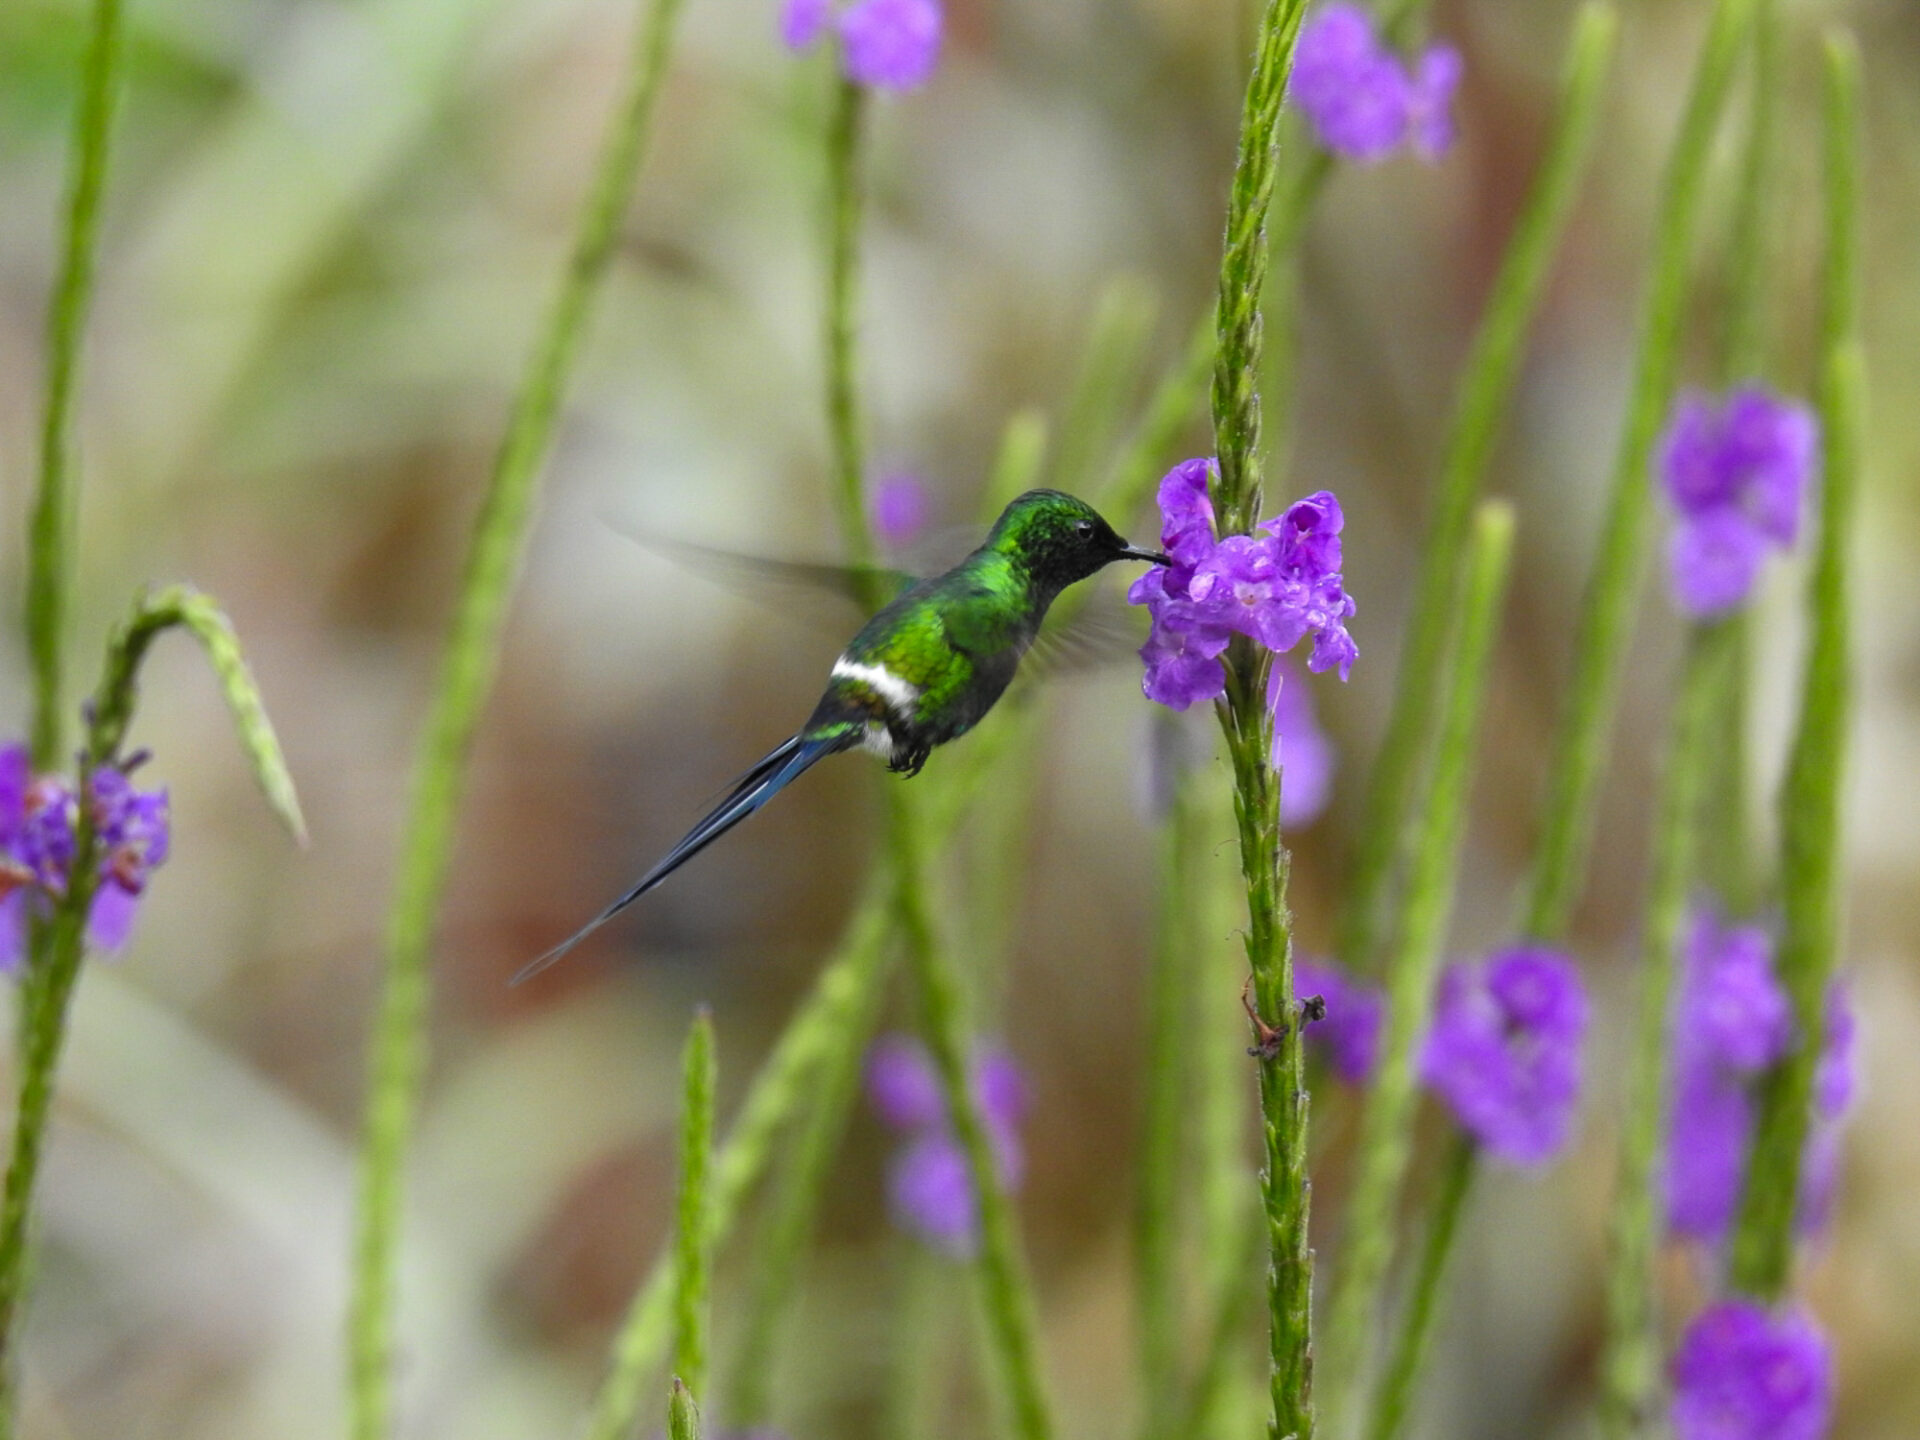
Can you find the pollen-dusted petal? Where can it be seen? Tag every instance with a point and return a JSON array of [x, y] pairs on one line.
[[891, 44]]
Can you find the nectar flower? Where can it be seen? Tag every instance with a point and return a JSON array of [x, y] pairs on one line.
[[1349, 1034], [1732, 1022], [1744, 1374], [885, 44], [1736, 471], [928, 1187], [1358, 95], [39, 816], [1278, 588], [1504, 1050]]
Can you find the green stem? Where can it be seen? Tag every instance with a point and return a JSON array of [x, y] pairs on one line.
[[1486, 387], [1170, 1006], [683, 1415], [1630, 1364], [1006, 1288], [846, 201], [1613, 587], [398, 1050], [1727, 860], [693, 1227], [1810, 839], [791, 1223], [50, 542], [1408, 1357], [1248, 727], [1386, 1129], [827, 1024]]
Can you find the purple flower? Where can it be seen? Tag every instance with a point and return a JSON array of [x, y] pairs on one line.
[[1349, 1034], [1357, 94], [1736, 471], [39, 816], [885, 44], [927, 1180], [1744, 1374], [898, 508], [1278, 587], [1732, 1022], [1301, 750], [1504, 1050]]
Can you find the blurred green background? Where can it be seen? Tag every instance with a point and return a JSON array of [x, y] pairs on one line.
[[330, 228]]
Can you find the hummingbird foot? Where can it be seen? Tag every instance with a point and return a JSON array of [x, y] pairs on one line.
[[910, 762], [1267, 1037]]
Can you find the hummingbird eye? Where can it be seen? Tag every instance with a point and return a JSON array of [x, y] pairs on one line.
[[1083, 527]]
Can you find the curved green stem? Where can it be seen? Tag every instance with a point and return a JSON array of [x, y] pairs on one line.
[[397, 1057], [693, 1225]]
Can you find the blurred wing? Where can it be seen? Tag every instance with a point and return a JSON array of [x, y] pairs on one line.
[[1103, 631], [780, 584]]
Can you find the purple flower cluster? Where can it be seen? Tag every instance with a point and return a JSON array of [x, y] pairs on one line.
[[1737, 471], [1360, 97], [898, 508], [1742, 1373], [884, 44], [927, 1183], [1504, 1050], [1733, 1021], [1349, 1034], [1278, 588], [39, 819]]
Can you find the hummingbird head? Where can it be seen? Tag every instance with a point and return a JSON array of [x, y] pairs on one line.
[[1058, 539]]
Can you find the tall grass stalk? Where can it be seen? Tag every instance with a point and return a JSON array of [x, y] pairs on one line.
[[44, 1026], [50, 543], [827, 1025], [1386, 1127], [1249, 733], [398, 1050], [1492, 367], [1810, 820], [693, 1211], [1613, 587], [1630, 1363]]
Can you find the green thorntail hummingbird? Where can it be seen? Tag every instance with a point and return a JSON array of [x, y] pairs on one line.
[[922, 671]]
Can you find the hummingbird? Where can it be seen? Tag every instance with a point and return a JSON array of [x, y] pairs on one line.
[[923, 671]]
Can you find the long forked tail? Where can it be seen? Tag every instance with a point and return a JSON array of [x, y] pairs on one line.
[[759, 785]]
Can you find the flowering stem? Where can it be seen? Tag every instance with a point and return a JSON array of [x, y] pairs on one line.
[[1607, 609], [398, 1049], [45, 1021], [1249, 732], [826, 1026], [1006, 1287], [1486, 386], [1629, 1365], [50, 543], [791, 1222], [1816, 768], [1170, 1006], [1386, 1127], [1727, 860], [693, 1228]]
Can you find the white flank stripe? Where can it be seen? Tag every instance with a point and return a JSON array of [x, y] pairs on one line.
[[899, 694]]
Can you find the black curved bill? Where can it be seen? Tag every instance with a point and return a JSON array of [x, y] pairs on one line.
[[1134, 552]]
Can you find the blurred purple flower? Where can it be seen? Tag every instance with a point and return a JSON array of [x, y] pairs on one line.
[[1732, 1022], [1301, 750], [38, 820], [884, 44], [898, 508], [1349, 1034], [927, 1182], [1744, 1374], [1357, 94], [1278, 588], [1736, 471], [1504, 1050]]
